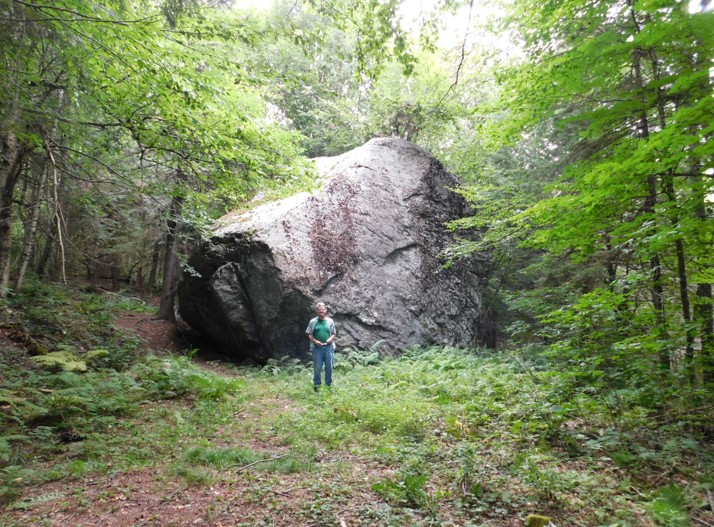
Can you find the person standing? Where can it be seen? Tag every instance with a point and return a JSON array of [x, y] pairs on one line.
[[321, 333]]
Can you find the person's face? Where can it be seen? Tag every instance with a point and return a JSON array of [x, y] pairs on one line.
[[321, 311]]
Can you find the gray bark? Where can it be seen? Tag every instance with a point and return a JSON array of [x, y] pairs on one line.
[[167, 307], [31, 229]]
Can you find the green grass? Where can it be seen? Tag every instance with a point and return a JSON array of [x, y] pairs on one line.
[[473, 434], [442, 436], [491, 436]]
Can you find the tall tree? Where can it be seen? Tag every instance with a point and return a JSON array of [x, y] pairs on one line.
[[140, 95], [634, 77]]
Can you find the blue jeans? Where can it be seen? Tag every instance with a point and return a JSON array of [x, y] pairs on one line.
[[323, 355]]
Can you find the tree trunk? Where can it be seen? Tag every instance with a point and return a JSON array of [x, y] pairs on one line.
[[683, 280], [689, 332], [610, 263], [14, 155], [41, 268], [155, 257], [686, 307], [31, 229], [656, 288], [115, 272], [704, 317], [91, 273], [137, 284], [59, 217], [171, 267], [704, 314], [140, 286]]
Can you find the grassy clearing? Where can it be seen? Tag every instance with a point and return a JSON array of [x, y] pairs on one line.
[[486, 438], [439, 436]]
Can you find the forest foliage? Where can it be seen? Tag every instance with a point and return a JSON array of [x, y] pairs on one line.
[[581, 132]]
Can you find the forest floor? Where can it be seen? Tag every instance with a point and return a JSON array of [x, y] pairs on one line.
[[154, 496], [171, 435]]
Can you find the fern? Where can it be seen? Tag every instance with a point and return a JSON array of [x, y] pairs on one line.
[[60, 361], [670, 507], [38, 500]]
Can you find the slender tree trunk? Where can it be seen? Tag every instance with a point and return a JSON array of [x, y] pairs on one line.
[[115, 272], [59, 216], [656, 287], [689, 331], [703, 302], [91, 273], [31, 228], [155, 258], [704, 316], [137, 265], [41, 267], [14, 154], [611, 262], [683, 280], [171, 267], [139, 285]]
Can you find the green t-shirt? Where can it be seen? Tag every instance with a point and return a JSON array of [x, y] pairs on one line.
[[321, 331]]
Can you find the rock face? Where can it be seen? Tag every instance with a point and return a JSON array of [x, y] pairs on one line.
[[367, 245]]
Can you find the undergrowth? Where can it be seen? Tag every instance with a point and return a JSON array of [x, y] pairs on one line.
[[451, 436], [76, 385], [494, 435]]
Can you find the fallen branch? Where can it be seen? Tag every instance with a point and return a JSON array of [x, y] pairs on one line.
[[256, 462], [285, 492], [637, 491]]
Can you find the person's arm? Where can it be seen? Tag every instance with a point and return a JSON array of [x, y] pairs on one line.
[[308, 332], [333, 334]]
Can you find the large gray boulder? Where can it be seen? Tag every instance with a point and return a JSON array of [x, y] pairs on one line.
[[367, 244]]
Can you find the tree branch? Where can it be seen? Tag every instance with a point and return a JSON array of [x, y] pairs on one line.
[[88, 156], [83, 16], [256, 462], [80, 123], [462, 58]]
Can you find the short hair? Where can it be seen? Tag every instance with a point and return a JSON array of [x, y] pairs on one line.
[[320, 304]]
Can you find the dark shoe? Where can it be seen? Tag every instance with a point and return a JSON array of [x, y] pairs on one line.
[[316, 388]]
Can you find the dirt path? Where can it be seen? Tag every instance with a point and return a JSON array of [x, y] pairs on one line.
[[154, 334], [149, 497]]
